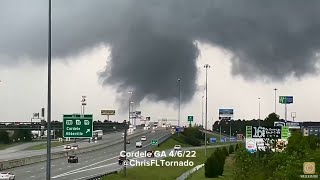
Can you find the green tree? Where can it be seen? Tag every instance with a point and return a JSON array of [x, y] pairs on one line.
[[24, 135], [4, 137], [225, 151], [210, 167], [237, 147], [231, 149], [269, 121], [218, 154]]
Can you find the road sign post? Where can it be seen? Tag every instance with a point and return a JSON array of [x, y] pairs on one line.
[[77, 126], [285, 100], [154, 142], [190, 120]]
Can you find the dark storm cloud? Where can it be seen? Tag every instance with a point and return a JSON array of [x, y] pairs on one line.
[[153, 41]]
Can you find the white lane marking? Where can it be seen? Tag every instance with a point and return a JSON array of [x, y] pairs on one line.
[[77, 170], [86, 161], [32, 176], [42, 168], [53, 165], [67, 174], [69, 166], [28, 171]]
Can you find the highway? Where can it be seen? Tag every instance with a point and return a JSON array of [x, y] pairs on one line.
[[91, 163], [11, 154]]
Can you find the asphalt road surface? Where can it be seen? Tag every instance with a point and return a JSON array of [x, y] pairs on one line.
[[91, 163], [9, 155]]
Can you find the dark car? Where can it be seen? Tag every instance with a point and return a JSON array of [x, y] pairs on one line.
[[150, 154], [128, 142], [73, 159], [121, 159]]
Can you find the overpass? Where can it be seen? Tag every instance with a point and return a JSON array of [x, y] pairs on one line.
[[55, 125]]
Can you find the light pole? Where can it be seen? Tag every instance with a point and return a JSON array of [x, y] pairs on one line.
[[48, 173], [179, 106], [83, 104], [202, 112], [205, 135], [275, 100], [125, 135], [259, 99], [131, 113]]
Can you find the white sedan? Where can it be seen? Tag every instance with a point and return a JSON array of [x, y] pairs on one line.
[[75, 147], [67, 147], [7, 176], [177, 147]]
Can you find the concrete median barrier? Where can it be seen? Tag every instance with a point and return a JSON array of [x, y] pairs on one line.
[[8, 164]]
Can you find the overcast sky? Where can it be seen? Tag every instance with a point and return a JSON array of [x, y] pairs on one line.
[[102, 49]]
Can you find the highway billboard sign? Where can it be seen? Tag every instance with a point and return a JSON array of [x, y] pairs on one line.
[[77, 126], [108, 112]]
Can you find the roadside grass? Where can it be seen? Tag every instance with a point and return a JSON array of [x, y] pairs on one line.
[[227, 173], [170, 143], [44, 145], [162, 172], [5, 146]]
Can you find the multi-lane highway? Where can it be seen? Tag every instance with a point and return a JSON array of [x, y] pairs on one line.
[[91, 163], [20, 153]]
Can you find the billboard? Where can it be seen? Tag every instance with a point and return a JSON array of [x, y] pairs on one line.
[[225, 112], [253, 144], [108, 112], [273, 132]]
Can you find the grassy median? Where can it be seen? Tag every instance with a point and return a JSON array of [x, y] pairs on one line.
[[5, 146], [44, 146], [162, 172]]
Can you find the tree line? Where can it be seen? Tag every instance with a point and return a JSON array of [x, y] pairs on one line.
[[19, 135]]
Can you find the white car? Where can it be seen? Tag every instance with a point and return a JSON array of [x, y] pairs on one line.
[[74, 147], [66, 147], [177, 147], [138, 144], [143, 138], [7, 176]]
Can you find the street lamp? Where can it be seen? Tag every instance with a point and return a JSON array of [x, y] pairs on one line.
[[202, 112], [48, 170], [125, 135], [132, 114], [205, 135], [275, 100], [259, 99], [179, 106], [83, 104]]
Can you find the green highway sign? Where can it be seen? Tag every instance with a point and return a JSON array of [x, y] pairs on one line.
[[154, 142], [77, 126], [284, 132], [190, 118], [248, 132], [285, 99]]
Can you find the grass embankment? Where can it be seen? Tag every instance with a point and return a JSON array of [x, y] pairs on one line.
[[162, 172], [170, 143], [165, 172], [5, 146], [44, 146], [227, 173]]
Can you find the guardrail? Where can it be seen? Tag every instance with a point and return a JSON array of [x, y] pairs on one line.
[[103, 175], [40, 158]]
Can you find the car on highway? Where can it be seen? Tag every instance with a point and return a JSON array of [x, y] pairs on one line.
[[138, 144], [121, 159], [73, 159], [143, 138], [177, 147], [7, 176], [74, 146], [67, 147], [150, 154]]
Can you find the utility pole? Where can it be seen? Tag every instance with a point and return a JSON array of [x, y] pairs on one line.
[[125, 148], [202, 112], [259, 111], [205, 135], [48, 173], [179, 91], [275, 100]]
